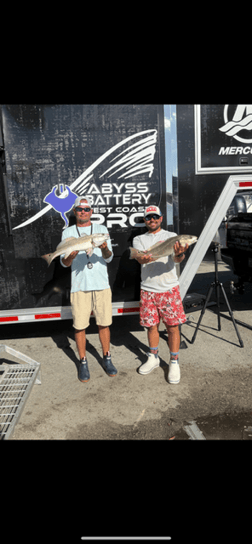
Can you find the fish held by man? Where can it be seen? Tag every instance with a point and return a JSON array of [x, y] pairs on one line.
[[163, 249], [83, 243]]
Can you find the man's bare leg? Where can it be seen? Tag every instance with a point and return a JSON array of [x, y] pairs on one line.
[[80, 339], [104, 335]]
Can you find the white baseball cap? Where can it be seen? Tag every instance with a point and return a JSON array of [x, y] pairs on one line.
[[82, 204], [152, 209]]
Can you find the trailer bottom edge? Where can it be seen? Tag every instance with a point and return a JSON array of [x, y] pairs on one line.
[[59, 313]]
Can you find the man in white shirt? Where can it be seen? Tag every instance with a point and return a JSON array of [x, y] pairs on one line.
[[160, 296], [90, 289]]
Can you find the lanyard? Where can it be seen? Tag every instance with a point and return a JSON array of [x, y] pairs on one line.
[[90, 232], [89, 265]]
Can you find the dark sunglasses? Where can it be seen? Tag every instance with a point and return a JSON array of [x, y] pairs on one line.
[[83, 209], [152, 216]]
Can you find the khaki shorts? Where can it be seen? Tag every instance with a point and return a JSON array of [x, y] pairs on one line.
[[98, 302]]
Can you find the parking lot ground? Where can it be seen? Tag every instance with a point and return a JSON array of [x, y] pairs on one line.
[[216, 375]]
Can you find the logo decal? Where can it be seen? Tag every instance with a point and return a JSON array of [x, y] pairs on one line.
[[135, 159], [151, 209], [60, 203], [242, 120]]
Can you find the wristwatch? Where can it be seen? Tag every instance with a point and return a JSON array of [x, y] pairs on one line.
[[180, 255]]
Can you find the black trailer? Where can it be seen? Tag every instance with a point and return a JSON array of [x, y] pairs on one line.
[[192, 158], [214, 143], [48, 155]]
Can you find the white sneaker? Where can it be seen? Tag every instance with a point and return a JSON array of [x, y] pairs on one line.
[[174, 372], [153, 362]]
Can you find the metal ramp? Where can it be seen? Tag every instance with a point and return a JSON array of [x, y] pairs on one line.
[[233, 184], [16, 382]]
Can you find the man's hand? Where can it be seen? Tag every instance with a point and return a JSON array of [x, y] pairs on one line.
[[144, 259], [178, 249], [68, 261], [106, 253]]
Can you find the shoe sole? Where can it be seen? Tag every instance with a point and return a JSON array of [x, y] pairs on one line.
[[83, 381], [111, 375], [148, 372], [172, 382]]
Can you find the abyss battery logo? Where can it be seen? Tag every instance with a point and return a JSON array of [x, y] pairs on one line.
[[100, 181], [60, 203], [240, 122]]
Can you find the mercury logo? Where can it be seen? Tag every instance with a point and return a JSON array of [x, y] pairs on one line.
[[241, 121]]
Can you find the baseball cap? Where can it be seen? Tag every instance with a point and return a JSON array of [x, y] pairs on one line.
[[152, 209], [79, 203]]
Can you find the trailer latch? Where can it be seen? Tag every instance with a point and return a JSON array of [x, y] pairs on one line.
[[243, 161]]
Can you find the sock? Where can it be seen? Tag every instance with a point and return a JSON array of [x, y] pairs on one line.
[[174, 355], [154, 349]]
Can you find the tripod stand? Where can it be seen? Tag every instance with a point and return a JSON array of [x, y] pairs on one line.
[[217, 286]]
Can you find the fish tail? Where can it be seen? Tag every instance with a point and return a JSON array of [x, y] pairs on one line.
[[48, 258], [133, 253]]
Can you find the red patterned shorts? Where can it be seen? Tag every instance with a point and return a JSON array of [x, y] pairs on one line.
[[166, 306]]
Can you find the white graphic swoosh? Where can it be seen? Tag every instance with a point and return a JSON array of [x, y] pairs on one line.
[[141, 158], [231, 128]]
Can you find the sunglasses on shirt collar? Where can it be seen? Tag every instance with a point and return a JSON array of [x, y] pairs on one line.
[[80, 209], [152, 216]]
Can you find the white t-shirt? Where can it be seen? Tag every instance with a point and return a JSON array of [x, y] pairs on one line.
[[159, 276]]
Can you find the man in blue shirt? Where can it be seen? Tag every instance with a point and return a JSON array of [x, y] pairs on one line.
[[90, 289]]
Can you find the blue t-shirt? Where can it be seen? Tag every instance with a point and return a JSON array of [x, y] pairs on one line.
[[82, 277]]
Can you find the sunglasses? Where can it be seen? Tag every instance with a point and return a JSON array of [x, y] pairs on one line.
[[152, 216], [82, 209]]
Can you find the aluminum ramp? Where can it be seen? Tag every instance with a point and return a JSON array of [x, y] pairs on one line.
[[233, 184], [16, 382]]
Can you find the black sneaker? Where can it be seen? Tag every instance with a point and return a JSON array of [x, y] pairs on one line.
[[107, 365], [83, 373]]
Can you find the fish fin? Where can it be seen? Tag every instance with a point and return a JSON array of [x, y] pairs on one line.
[[90, 251], [134, 252], [66, 253], [48, 258], [64, 241]]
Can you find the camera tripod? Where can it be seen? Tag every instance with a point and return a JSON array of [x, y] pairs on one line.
[[217, 285]]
